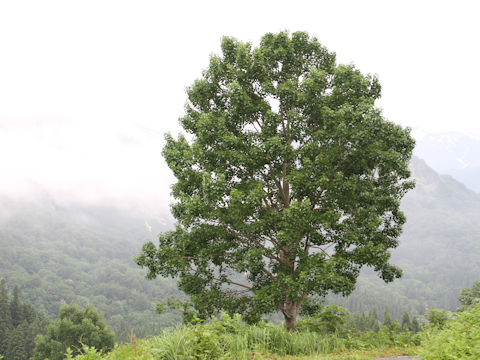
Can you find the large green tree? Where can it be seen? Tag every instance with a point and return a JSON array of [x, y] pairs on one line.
[[289, 181]]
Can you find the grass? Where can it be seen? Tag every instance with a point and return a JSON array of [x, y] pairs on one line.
[[140, 351], [357, 354], [232, 339]]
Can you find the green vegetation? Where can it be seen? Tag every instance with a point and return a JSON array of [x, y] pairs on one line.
[[457, 338], [438, 252], [54, 254], [291, 182], [231, 338], [79, 254], [39, 241], [76, 254], [470, 296], [19, 324], [74, 329]]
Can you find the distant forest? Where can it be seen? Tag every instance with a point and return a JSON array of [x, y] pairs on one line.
[[59, 255]]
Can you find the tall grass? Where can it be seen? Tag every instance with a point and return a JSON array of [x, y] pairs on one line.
[[230, 338]]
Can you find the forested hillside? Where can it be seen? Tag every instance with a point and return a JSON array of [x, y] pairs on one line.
[[63, 254], [438, 252]]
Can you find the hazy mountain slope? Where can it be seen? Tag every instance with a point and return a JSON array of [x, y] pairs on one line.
[[82, 254], [451, 153], [439, 250]]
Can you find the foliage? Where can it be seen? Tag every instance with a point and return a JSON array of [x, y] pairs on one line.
[[444, 214], [19, 324], [290, 184], [437, 318], [312, 305], [415, 327], [74, 329], [387, 319], [231, 338], [459, 338], [470, 296], [407, 324], [363, 321], [185, 307], [83, 254], [330, 319], [52, 256]]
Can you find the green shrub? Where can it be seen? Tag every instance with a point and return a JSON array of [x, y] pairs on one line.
[[330, 319], [459, 338], [437, 318]]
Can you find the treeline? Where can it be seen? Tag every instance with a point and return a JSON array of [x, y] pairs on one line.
[[369, 321], [19, 325]]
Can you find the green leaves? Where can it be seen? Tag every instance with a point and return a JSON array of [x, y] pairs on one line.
[[292, 176], [74, 329], [456, 338]]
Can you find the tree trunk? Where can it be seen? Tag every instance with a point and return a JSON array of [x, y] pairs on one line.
[[290, 314]]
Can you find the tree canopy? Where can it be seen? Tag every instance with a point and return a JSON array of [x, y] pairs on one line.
[[470, 296], [289, 181], [74, 329]]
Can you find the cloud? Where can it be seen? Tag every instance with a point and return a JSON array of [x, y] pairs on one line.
[[81, 162], [88, 89]]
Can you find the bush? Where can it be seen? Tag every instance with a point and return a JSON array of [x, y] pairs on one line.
[[330, 319], [437, 318], [459, 338]]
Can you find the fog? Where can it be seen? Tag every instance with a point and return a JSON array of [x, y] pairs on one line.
[[85, 163], [88, 89]]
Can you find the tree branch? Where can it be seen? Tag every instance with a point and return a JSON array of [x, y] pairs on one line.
[[232, 282]]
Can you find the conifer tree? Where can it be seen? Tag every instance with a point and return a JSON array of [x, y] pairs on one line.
[[15, 308], [16, 346], [17, 342], [375, 326], [416, 325], [387, 319], [5, 323], [406, 324], [4, 310]]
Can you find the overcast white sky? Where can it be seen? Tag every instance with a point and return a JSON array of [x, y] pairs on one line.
[[87, 88]]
